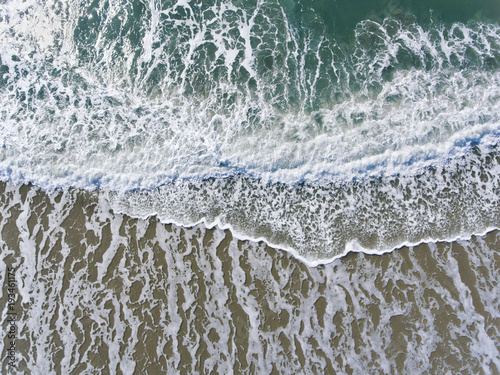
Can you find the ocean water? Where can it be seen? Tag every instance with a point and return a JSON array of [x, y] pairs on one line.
[[223, 149]]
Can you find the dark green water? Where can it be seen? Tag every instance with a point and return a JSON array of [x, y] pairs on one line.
[[342, 17]]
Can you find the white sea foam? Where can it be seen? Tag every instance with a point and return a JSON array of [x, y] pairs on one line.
[[319, 222], [79, 127]]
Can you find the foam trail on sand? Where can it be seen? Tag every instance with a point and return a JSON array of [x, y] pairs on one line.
[[100, 291]]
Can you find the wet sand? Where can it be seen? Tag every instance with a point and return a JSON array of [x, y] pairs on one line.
[[98, 292]]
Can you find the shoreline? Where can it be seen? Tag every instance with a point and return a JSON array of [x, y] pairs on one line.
[[198, 297], [352, 246]]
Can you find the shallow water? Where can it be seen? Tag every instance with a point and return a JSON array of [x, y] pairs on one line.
[[99, 292]]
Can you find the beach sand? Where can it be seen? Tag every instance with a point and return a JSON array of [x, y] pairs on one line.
[[98, 292]]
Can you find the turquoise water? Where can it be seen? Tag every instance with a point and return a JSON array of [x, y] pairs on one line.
[[341, 17]]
